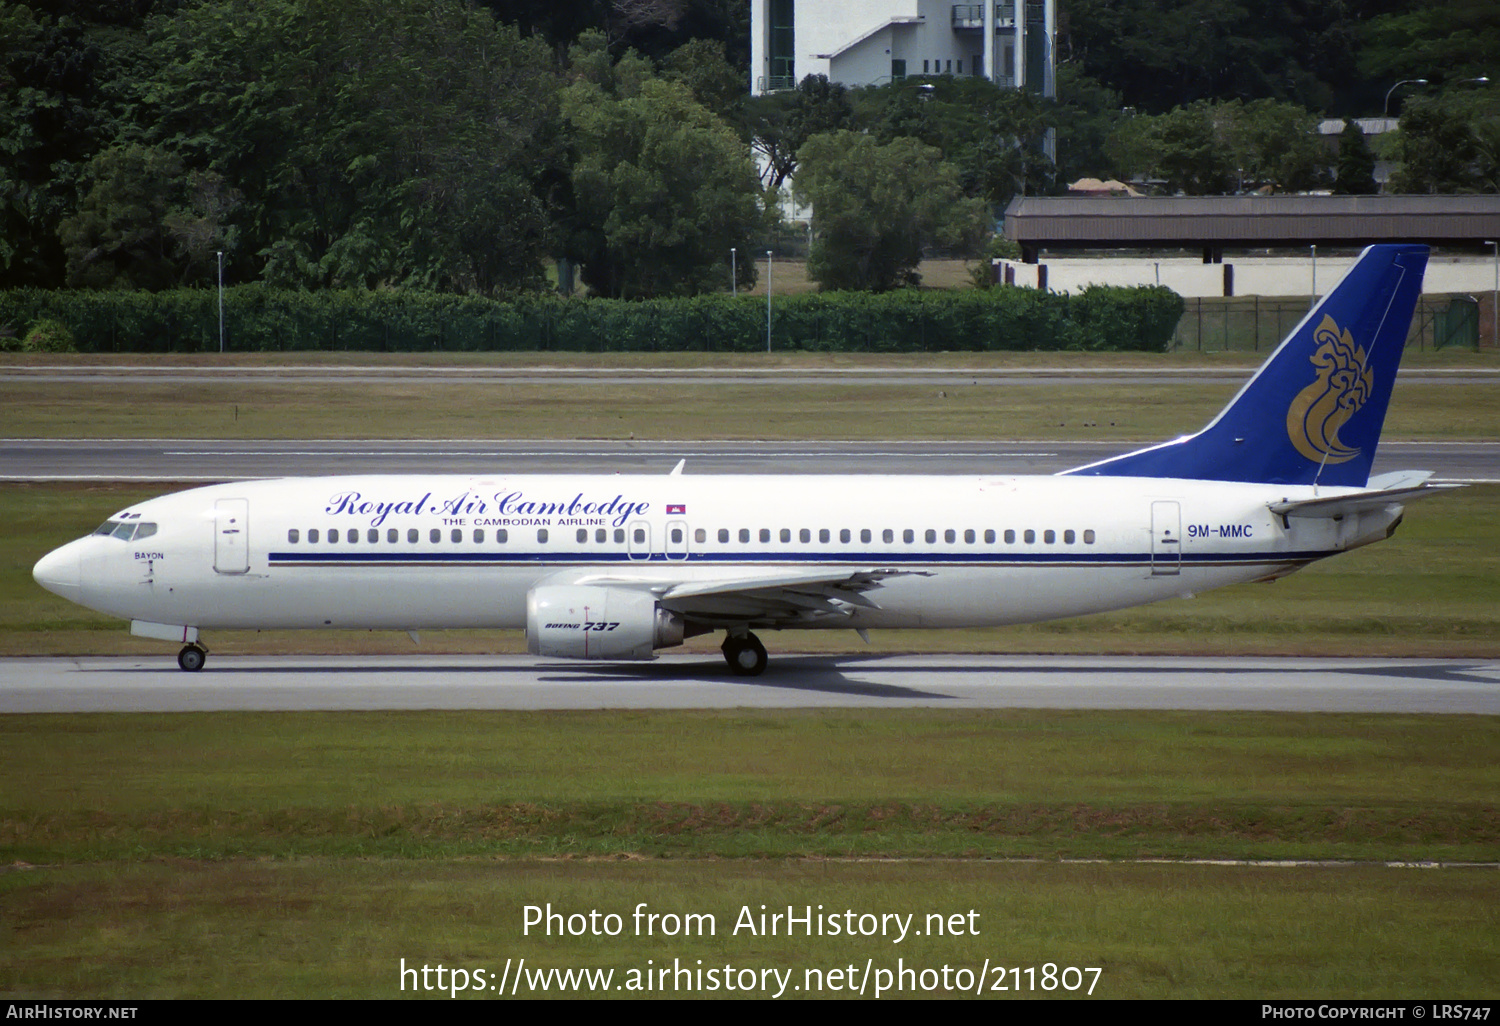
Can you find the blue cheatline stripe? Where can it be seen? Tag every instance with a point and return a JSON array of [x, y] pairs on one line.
[[1103, 559]]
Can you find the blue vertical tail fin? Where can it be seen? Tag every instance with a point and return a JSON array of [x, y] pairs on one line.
[[1313, 412]]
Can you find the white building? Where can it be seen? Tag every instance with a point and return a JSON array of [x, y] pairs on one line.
[[871, 42]]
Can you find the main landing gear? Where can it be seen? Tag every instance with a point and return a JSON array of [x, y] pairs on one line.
[[191, 657], [745, 655]]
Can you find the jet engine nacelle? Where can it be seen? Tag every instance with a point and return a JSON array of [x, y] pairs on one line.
[[591, 622]]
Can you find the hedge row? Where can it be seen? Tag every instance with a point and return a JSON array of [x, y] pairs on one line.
[[268, 320]]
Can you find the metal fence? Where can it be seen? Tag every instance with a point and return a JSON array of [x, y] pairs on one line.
[[1256, 323]]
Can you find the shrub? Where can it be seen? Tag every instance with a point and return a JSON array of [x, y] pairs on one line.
[[49, 336], [258, 318]]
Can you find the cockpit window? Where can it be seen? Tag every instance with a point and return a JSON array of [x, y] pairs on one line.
[[126, 531]]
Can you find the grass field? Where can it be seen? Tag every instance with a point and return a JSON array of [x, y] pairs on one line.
[[1045, 408], [305, 855]]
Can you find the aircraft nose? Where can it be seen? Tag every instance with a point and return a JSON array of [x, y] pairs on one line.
[[60, 572]]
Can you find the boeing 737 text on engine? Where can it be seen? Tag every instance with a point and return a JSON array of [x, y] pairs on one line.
[[620, 566]]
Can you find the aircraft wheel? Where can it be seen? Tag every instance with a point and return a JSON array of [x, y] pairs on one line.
[[191, 658], [746, 656]]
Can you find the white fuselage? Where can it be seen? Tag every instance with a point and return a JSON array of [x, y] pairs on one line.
[[415, 552]]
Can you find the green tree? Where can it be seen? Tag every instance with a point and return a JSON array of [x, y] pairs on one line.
[[119, 236], [1182, 149], [661, 190], [700, 65], [1451, 39], [398, 142], [1355, 175], [877, 207], [1089, 113], [1449, 143], [995, 137], [1212, 148], [777, 124], [1162, 54], [1275, 145], [60, 104]]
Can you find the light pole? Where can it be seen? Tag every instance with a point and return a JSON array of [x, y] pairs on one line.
[[221, 300], [1398, 85], [1314, 275], [1495, 298], [734, 288], [768, 300]]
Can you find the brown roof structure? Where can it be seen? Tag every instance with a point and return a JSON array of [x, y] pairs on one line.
[[1216, 223]]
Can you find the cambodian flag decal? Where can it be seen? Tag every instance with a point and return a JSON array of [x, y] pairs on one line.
[[680, 510]]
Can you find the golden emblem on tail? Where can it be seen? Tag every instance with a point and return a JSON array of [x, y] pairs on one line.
[[1343, 384]]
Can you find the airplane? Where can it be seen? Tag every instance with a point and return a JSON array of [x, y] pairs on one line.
[[618, 567]]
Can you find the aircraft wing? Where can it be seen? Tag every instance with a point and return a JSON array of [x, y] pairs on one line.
[[772, 597]]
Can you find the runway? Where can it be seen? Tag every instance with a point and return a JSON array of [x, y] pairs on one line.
[[700, 681], [201, 460]]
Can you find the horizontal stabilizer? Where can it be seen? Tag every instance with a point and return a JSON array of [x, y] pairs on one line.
[[1335, 506]]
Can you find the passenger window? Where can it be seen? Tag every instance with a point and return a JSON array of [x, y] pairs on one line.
[[1049, 536], [333, 534], [583, 535], [969, 536], [456, 534], [292, 535], [989, 536], [823, 535], [479, 534], [930, 536], [804, 535], [1029, 536], [723, 535], [1088, 537], [312, 535], [1068, 537], [502, 536], [949, 536], [619, 536], [844, 534], [541, 535], [351, 535], [601, 535], [435, 536], [887, 535], [1010, 537], [640, 535], [676, 536], [412, 535], [700, 535], [744, 534], [864, 534], [908, 536], [765, 534], [373, 536], [786, 534], [393, 536]]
